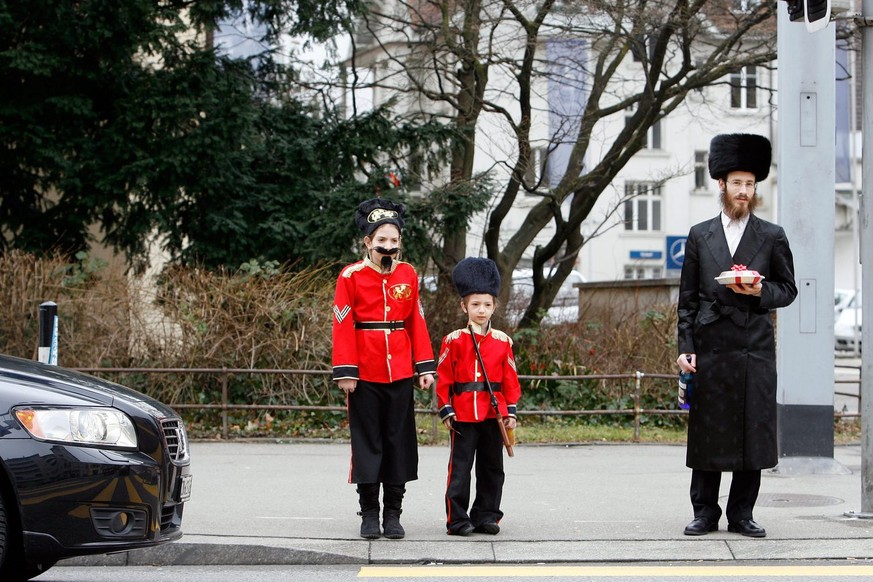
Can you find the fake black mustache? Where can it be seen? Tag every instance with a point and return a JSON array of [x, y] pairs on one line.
[[385, 251]]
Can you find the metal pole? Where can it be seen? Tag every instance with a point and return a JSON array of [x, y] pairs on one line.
[[853, 179], [866, 236], [225, 429], [637, 404]]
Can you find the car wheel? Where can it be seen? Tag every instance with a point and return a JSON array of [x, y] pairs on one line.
[[13, 568]]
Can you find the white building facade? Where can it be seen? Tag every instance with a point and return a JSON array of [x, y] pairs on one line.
[[637, 226]]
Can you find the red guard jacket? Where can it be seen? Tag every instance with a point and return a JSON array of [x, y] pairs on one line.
[[379, 331], [460, 383]]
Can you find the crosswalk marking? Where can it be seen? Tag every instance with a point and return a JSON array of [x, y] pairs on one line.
[[528, 571]]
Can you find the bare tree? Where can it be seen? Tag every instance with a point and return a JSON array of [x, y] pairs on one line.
[[480, 63]]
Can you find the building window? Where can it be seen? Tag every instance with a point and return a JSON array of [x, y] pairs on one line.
[[701, 170], [643, 272], [642, 46], [744, 88], [642, 207], [537, 173], [653, 135]]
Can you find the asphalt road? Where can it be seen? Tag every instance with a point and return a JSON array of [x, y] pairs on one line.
[[604, 572]]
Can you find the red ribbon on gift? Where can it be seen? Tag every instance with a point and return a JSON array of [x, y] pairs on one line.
[[738, 268]]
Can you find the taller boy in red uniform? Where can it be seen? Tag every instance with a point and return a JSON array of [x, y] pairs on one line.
[[380, 340], [465, 404]]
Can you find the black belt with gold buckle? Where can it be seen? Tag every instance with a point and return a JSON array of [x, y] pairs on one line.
[[387, 325], [460, 387]]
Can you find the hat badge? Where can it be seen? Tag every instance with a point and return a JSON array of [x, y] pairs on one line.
[[381, 214]]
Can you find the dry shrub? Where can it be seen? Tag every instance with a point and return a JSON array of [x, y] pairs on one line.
[[188, 318], [263, 317], [606, 341], [93, 314], [260, 319]]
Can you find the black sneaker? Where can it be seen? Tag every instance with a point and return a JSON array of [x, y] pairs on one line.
[[464, 529], [489, 527]]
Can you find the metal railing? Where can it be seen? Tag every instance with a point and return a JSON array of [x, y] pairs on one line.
[[224, 406]]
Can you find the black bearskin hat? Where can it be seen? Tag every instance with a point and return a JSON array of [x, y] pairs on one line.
[[373, 213], [739, 151], [476, 275]]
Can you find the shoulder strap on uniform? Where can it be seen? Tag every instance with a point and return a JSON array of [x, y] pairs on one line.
[[499, 335], [352, 269]]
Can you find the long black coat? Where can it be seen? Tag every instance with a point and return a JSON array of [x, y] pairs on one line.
[[732, 421]]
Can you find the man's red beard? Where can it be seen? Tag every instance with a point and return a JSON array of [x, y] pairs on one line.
[[738, 211]]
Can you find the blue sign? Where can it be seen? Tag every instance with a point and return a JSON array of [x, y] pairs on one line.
[[675, 252], [646, 255]]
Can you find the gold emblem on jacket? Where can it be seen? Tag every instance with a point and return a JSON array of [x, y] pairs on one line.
[[401, 291]]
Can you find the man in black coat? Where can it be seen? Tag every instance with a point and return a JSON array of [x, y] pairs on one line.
[[726, 337]]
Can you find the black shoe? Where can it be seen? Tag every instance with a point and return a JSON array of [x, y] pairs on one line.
[[747, 527], [391, 527], [370, 526], [489, 527], [464, 529], [700, 526]]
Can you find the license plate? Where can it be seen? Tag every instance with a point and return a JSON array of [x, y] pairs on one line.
[[185, 488]]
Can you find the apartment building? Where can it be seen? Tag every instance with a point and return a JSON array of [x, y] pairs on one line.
[[638, 224]]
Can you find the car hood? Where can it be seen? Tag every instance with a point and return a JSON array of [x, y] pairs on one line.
[[66, 383]]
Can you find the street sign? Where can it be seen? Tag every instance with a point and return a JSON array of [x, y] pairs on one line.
[[646, 255]]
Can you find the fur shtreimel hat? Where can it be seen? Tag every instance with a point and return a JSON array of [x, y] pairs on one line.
[[739, 152], [373, 213], [476, 275]]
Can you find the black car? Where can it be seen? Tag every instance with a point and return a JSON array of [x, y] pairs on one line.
[[86, 467]]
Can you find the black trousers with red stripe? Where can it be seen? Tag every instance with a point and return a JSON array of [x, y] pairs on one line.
[[479, 444], [382, 426]]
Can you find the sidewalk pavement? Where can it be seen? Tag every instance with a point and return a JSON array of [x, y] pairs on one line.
[[274, 503]]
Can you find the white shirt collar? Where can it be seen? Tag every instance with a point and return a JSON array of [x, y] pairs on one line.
[[733, 231], [480, 329], [727, 221]]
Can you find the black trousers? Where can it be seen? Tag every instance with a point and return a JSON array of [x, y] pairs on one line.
[[741, 500], [479, 444], [382, 426]]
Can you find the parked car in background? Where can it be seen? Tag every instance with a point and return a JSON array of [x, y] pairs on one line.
[[565, 307], [847, 327], [87, 466], [842, 298]]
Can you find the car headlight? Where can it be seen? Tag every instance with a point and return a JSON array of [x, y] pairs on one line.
[[87, 426]]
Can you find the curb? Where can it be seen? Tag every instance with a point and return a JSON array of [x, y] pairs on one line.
[[218, 551]]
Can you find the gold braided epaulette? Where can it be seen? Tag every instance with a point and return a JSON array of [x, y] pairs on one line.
[[499, 335], [352, 269], [450, 337]]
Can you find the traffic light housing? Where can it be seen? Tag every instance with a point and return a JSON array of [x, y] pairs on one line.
[[795, 10], [815, 13]]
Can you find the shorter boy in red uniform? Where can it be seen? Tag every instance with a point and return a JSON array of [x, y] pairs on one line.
[[465, 404]]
